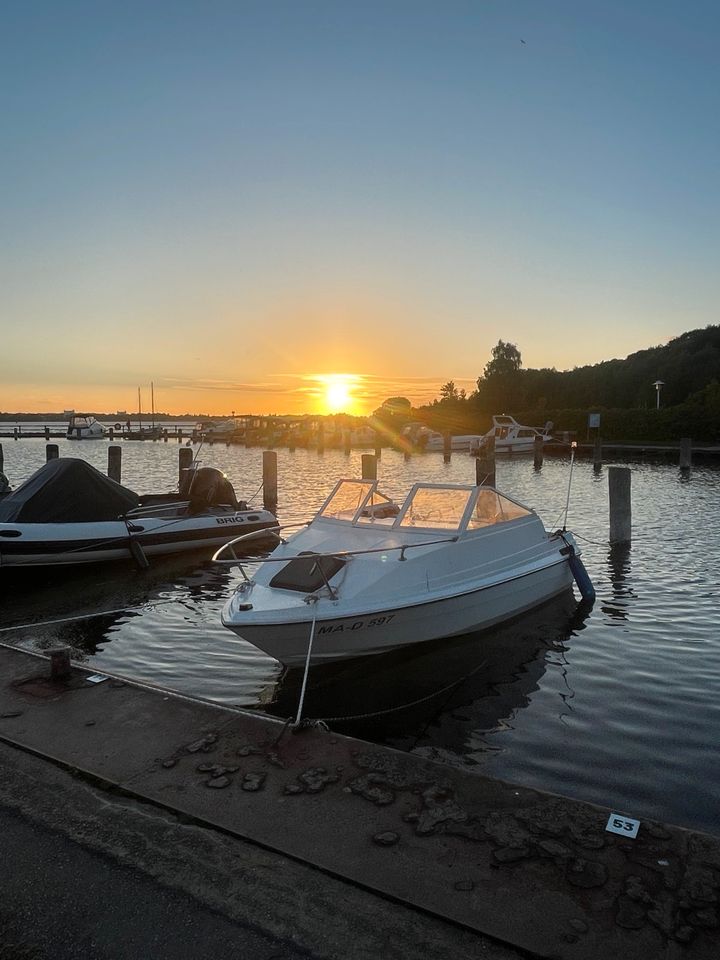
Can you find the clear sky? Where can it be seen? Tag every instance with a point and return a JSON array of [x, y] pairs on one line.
[[236, 200]]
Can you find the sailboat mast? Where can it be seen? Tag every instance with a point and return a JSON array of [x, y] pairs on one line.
[[152, 402], [139, 411]]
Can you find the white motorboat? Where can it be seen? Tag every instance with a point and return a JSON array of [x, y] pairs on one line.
[[68, 512], [366, 575], [511, 436], [83, 426]]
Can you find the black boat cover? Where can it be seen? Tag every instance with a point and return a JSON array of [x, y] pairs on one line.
[[67, 490]]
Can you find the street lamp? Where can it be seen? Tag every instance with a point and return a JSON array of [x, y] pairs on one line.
[[659, 384]]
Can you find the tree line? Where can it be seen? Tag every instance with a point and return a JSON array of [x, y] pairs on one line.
[[622, 391]]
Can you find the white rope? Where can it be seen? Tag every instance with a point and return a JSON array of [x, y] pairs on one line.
[[307, 669], [84, 616]]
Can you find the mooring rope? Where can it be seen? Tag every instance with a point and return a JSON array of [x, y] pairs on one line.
[[85, 616], [307, 668], [404, 706]]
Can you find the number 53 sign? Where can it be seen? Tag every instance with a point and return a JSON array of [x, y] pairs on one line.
[[625, 826]]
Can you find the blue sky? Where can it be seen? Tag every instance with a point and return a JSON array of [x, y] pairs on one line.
[[231, 198]]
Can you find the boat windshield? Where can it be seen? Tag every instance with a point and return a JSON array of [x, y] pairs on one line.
[[492, 507], [439, 508], [346, 499], [459, 508]]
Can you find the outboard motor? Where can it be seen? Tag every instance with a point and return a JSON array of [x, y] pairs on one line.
[[209, 487]]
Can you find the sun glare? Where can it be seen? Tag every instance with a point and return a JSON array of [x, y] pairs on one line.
[[338, 393]]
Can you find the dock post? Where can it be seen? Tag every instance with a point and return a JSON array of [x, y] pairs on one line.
[[269, 473], [185, 459], [51, 452], [59, 663], [47, 433], [485, 464], [597, 455], [346, 443], [179, 435], [115, 463], [369, 466], [378, 446], [447, 447], [15, 433], [685, 453], [538, 452], [620, 504]]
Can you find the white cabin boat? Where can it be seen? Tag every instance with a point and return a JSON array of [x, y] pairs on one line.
[[83, 426], [511, 436], [366, 575]]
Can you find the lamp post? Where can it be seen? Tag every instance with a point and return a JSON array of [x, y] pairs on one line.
[[659, 384]]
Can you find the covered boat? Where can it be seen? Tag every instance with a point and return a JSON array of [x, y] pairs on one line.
[[367, 575], [68, 512]]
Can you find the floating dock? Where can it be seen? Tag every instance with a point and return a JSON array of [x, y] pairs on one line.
[[535, 870]]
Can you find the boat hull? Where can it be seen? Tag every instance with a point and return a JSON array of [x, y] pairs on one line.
[[378, 631], [60, 544]]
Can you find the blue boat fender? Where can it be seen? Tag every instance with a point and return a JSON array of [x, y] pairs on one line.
[[580, 574]]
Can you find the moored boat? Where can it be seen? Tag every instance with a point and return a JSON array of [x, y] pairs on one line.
[[83, 426], [367, 575], [68, 512], [511, 436]]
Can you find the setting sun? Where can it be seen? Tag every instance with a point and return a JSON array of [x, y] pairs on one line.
[[338, 393]]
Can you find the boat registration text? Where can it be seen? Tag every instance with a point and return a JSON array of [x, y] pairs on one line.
[[356, 624]]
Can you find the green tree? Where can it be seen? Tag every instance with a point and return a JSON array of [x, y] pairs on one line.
[[506, 360], [448, 391]]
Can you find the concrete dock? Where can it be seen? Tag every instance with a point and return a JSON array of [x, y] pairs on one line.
[[534, 871]]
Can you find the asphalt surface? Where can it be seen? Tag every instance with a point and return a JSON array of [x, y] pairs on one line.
[[89, 875], [62, 902]]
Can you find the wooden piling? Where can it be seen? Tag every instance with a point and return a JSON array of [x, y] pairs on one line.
[[619, 489], [51, 452], [185, 459], [537, 452], [346, 442], [15, 433], [179, 435], [59, 663], [485, 464], [597, 455], [114, 469], [269, 473], [47, 433], [447, 447], [369, 466], [685, 453], [378, 446]]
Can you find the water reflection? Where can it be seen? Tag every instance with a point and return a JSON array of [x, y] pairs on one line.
[[84, 612], [622, 591], [451, 693]]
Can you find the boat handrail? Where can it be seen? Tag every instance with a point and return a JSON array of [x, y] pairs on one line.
[[402, 547]]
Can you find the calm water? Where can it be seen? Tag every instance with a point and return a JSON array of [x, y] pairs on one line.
[[619, 704]]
